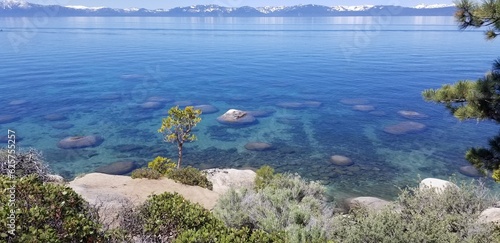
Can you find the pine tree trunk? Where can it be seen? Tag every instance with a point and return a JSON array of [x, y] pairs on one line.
[[180, 156]]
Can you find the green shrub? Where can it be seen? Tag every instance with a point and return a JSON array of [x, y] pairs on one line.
[[263, 176], [29, 162], [46, 213], [191, 176], [286, 203], [162, 165], [146, 173], [228, 235], [422, 216], [162, 217]]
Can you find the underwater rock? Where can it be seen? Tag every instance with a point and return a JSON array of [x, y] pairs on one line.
[[470, 171], [159, 99], [206, 109], [412, 114], [151, 105], [62, 126], [258, 146], [312, 104], [261, 113], [363, 107], [18, 102], [354, 101], [341, 160], [55, 117], [234, 116], [290, 105], [8, 119], [80, 142], [117, 168], [404, 128]]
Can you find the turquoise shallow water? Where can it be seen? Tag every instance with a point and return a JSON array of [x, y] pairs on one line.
[[96, 72]]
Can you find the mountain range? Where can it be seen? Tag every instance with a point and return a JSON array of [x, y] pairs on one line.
[[14, 8]]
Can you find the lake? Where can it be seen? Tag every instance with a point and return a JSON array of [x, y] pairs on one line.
[[325, 86]]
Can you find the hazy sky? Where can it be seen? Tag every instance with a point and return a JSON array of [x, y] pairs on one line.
[[152, 4]]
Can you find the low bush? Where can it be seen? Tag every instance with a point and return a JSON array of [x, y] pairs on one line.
[[422, 216], [43, 212], [229, 235], [263, 176], [146, 173], [163, 217], [26, 162], [162, 165], [286, 203], [191, 176]]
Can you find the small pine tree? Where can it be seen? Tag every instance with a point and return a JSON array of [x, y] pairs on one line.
[[177, 127]]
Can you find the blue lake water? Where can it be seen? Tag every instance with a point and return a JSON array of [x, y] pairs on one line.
[[94, 74]]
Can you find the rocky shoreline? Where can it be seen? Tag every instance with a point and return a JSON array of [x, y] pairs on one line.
[[115, 191]]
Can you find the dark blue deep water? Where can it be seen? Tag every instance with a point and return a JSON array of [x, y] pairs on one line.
[[93, 74]]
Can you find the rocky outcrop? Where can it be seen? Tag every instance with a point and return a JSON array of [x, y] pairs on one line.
[[437, 184], [373, 203], [224, 179], [234, 116]]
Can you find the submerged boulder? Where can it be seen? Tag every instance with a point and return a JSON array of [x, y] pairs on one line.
[[151, 105], [76, 142], [404, 128], [354, 101], [8, 119], [363, 107], [18, 102], [234, 116], [341, 160], [117, 168], [412, 114], [206, 109], [258, 146], [470, 171]]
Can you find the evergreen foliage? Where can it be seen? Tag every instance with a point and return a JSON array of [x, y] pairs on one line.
[[473, 14], [146, 173], [162, 165], [177, 127], [478, 99], [191, 176], [46, 212]]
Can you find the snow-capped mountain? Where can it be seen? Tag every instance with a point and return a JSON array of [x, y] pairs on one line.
[[23, 8]]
